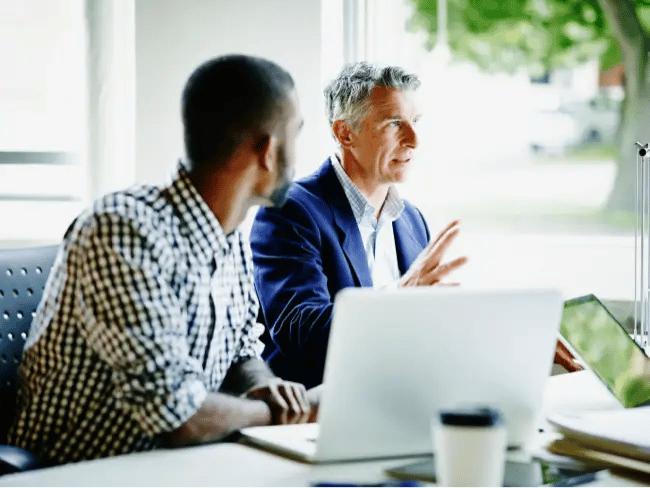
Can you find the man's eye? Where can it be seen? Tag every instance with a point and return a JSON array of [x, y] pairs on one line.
[[395, 123]]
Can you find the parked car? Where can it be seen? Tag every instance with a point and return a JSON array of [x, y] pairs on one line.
[[552, 131], [595, 120]]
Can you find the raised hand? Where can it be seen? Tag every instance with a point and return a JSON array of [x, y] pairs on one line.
[[428, 268]]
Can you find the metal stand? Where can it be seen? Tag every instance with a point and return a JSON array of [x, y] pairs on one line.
[[642, 249]]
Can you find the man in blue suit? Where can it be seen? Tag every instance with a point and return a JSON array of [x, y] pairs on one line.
[[345, 225]]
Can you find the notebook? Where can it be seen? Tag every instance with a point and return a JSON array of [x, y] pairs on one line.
[[396, 357]]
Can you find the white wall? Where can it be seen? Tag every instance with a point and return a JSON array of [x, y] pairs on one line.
[[175, 36]]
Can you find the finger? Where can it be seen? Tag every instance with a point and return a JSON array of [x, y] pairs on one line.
[[284, 413], [313, 415], [443, 270], [442, 246], [434, 255], [299, 417], [431, 259], [455, 223], [276, 397], [298, 413], [305, 405], [455, 283], [287, 392], [300, 392]]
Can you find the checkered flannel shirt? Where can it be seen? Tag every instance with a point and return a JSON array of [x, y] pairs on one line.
[[148, 305]]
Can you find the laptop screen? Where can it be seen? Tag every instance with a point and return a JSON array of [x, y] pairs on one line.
[[606, 347]]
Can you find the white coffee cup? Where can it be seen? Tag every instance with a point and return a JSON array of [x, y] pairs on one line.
[[469, 447]]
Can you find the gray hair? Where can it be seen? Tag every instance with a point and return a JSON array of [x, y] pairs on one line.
[[347, 96]]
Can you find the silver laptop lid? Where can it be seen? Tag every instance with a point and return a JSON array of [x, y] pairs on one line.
[[395, 357]]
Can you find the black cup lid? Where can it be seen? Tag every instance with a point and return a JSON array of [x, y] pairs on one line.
[[471, 417]]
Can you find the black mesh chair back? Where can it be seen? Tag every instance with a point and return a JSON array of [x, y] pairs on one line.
[[23, 273]]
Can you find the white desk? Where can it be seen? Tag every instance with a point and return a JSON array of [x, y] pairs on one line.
[[210, 465], [238, 465]]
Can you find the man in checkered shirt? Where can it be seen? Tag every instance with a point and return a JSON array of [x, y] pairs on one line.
[[147, 334]]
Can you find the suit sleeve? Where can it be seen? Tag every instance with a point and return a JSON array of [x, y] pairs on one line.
[[291, 282]]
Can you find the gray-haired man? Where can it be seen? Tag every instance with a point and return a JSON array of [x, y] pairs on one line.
[[345, 225]]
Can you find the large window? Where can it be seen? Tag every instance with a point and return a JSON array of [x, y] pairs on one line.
[[527, 163], [42, 119], [67, 116]]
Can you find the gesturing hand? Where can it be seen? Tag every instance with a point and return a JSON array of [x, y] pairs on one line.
[[427, 268], [287, 400]]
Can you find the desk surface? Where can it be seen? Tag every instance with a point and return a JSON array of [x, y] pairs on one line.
[[227, 464]]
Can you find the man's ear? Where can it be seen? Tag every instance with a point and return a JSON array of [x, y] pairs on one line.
[[342, 132], [266, 150]]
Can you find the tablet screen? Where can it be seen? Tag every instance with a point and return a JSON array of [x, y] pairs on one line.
[[603, 344]]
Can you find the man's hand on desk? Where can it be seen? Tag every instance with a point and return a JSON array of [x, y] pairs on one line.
[[565, 359], [314, 395], [286, 400], [428, 268]]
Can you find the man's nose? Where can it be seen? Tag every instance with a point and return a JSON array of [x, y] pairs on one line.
[[410, 137]]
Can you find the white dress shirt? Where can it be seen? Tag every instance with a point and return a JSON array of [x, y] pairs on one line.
[[376, 233]]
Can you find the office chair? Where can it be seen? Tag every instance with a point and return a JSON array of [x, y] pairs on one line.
[[23, 273]]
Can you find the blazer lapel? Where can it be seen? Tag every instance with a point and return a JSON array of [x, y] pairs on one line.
[[348, 229], [405, 244]]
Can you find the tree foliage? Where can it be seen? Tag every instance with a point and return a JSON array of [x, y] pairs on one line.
[[541, 35], [538, 35]]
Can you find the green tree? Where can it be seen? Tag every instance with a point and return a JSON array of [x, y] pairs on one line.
[[540, 35]]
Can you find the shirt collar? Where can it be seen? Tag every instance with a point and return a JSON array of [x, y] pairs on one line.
[[361, 209], [201, 224]]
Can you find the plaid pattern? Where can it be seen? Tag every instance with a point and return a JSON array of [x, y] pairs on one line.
[[377, 236], [148, 305]]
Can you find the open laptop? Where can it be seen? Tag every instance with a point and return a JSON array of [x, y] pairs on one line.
[[396, 357], [593, 335]]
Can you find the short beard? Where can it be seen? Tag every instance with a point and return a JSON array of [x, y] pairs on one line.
[[280, 194]]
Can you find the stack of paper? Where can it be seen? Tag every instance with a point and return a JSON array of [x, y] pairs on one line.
[[607, 438]]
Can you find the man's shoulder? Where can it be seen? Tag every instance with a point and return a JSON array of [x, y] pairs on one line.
[[411, 209], [303, 202], [307, 193], [315, 182], [139, 209], [306, 205], [142, 203]]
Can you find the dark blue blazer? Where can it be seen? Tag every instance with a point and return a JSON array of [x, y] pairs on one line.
[[304, 253]]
